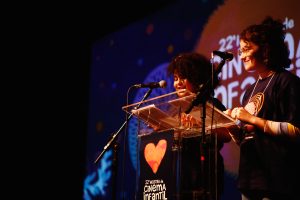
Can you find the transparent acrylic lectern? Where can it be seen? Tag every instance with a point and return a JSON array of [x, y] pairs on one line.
[[168, 156], [164, 112]]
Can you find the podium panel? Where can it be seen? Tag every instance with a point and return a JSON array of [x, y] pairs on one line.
[[171, 168], [157, 172]]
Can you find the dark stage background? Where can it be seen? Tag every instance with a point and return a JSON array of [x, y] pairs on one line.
[[102, 53], [138, 52]]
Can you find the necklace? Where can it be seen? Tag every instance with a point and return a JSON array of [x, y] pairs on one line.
[[270, 73], [256, 85]]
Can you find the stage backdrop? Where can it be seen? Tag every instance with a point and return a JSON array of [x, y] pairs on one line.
[[140, 53]]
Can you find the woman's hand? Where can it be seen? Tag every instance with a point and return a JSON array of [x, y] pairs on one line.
[[228, 112], [242, 114], [188, 121], [239, 113]]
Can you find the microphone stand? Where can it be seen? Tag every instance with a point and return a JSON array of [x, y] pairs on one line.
[[203, 90], [116, 145], [201, 97]]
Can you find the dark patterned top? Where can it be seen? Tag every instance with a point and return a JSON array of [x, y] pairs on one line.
[[271, 163]]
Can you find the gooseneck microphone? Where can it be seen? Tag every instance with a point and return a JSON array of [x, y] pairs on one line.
[[224, 55], [160, 84]]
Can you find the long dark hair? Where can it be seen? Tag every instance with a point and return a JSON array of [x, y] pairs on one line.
[[269, 36]]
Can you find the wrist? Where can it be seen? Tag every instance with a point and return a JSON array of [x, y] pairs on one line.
[[265, 125]]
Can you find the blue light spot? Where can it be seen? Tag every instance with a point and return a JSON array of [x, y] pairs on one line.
[[140, 62], [114, 85]]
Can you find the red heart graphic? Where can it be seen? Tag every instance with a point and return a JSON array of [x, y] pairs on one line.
[[154, 154]]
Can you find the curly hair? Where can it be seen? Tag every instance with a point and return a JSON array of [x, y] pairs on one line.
[[194, 67], [269, 37]]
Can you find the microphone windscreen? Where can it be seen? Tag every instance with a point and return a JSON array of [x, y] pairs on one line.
[[163, 83]]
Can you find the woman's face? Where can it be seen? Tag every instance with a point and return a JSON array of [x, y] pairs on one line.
[[182, 83], [247, 53]]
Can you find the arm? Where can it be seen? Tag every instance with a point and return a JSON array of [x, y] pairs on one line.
[[276, 128], [268, 126]]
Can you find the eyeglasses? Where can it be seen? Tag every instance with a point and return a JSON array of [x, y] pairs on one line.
[[244, 50]]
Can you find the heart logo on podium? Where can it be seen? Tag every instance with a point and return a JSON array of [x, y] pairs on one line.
[[154, 154]]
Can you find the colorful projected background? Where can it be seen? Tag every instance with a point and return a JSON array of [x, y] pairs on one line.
[[140, 53]]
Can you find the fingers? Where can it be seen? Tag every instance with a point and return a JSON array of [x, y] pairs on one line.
[[188, 121], [227, 112], [236, 112]]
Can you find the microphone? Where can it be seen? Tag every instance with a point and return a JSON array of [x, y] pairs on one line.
[[160, 84], [224, 55]]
